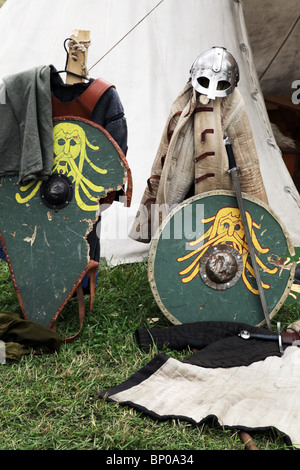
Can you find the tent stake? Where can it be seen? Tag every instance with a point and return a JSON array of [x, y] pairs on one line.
[[248, 441]]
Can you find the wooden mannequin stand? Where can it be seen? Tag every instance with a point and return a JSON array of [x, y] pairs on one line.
[[77, 59]]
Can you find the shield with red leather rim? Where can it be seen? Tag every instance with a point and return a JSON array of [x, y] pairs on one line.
[[199, 264], [44, 224]]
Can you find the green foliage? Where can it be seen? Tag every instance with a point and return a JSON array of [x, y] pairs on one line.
[[52, 401]]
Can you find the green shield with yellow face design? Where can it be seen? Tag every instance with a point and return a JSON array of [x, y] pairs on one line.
[[199, 263], [44, 224]]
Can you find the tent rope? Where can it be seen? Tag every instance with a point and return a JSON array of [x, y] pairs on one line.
[[279, 49], [125, 35]]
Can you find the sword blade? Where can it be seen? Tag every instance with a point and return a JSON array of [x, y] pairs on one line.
[[233, 170]]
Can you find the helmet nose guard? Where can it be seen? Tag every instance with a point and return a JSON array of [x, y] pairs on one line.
[[215, 73]]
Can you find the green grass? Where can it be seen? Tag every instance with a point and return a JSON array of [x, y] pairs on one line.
[[50, 402]]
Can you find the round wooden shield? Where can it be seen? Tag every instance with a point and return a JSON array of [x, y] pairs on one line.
[[199, 264], [44, 224]]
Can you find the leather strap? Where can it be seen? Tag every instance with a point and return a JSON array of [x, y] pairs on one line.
[[204, 155], [93, 93], [203, 177], [206, 131], [92, 273], [81, 312], [91, 270], [84, 105]]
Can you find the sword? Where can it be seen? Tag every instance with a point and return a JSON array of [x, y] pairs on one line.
[[233, 170], [291, 339]]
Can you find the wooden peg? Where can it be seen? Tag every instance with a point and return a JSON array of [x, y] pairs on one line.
[[248, 441]]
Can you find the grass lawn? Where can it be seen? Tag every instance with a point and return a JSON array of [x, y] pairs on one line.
[[51, 401]]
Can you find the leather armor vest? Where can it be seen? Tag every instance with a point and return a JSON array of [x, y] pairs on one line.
[[84, 105]]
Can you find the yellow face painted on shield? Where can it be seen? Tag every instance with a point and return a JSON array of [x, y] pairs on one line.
[[66, 146], [226, 228], [70, 155]]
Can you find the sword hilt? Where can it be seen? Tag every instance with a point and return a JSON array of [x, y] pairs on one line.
[[245, 334], [281, 337], [230, 154]]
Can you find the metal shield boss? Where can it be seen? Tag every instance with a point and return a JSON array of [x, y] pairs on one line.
[[199, 266], [44, 224]]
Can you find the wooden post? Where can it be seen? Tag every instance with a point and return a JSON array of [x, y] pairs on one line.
[[77, 61], [248, 441]]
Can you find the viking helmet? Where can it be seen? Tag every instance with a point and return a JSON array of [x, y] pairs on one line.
[[215, 73]]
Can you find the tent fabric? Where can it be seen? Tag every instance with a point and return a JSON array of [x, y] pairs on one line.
[[274, 30], [149, 66]]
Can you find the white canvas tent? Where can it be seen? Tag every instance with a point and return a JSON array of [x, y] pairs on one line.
[[150, 65], [274, 32]]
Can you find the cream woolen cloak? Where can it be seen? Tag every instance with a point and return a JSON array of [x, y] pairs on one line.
[[192, 152]]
